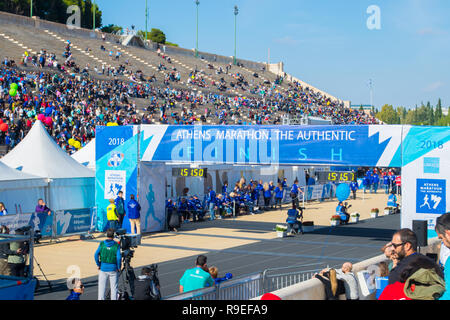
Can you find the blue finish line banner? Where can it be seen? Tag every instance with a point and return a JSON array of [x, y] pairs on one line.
[[327, 145]]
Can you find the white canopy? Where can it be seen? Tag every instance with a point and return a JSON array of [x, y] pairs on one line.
[[20, 189], [10, 174], [38, 154], [71, 185], [86, 155]]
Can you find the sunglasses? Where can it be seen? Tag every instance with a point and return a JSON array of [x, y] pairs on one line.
[[396, 245]]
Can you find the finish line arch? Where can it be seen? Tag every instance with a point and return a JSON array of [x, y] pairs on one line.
[[422, 152]]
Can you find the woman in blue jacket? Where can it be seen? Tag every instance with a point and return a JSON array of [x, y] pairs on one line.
[[278, 195], [267, 196]]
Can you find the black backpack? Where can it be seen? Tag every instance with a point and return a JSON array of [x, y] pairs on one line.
[[147, 289]]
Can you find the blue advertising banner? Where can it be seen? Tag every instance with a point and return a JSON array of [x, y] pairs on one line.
[[327, 145], [430, 196], [73, 221], [116, 168]]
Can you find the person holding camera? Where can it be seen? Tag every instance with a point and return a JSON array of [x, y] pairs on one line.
[[294, 220], [108, 260], [16, 258], [146, 286], [5, 252]]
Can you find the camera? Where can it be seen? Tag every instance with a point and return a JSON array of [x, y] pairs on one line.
[[128, 241]]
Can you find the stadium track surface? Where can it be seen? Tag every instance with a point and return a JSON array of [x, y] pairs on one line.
[[325, 246]]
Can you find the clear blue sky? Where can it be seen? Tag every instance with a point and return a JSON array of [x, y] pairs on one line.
[[323, 42]]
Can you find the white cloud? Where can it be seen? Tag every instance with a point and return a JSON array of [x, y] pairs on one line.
[[287, 40], [433, 86]]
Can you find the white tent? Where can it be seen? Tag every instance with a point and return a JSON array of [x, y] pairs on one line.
[[71, 184], [86, 155], [18, 188]]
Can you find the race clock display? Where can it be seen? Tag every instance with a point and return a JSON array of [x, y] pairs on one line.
[[336, 176], [189, 172]]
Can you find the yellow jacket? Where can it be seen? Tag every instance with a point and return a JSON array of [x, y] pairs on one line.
[[111, 212]]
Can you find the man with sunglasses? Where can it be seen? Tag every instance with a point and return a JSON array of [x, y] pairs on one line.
[[404, 243], [443, 232]]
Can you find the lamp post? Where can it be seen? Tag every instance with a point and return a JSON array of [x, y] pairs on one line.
[[93, 15], [370, 85], [236, 12], [197, 2], [146, 20], [31, 9]]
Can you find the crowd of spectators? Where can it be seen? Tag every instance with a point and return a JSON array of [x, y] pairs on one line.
[[77, 100], [244, 198]]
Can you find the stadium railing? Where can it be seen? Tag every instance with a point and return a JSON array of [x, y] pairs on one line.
[[252, 285]]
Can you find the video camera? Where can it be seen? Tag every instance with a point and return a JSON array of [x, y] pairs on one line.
[[127, 241], [26, 230]]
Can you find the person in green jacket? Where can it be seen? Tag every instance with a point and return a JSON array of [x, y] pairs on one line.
[[16, 260]]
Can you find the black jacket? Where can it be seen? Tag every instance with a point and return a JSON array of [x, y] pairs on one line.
[[5, 251]]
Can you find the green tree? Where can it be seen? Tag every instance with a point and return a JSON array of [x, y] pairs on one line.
[[54, 10], [111, 28], [155, 35], [388, 115], [438, 113]]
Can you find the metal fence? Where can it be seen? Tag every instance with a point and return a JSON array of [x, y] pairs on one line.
[[253, 285]]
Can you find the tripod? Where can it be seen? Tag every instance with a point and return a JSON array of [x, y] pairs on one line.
[[45, 277], [126, 276]]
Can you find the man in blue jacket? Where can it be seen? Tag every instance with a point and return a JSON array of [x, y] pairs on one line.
[[120, 205], [386, 183], [376, 181], [134, 215], [108, 260], [211, 203], [354, 188]]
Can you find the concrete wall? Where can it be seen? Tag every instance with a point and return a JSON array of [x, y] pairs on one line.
[[314, 290]]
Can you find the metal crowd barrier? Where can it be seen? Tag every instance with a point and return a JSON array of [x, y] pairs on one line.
[[251, 286]]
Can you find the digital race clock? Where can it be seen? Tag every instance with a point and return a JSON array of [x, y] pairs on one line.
[[189, 172], [337, 176]]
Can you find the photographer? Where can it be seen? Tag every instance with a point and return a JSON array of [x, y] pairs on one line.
[[294, 220], [16, 258], [146, 286], [4, 253], [108, 260]]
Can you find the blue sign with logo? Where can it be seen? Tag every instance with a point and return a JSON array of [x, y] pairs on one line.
[[431, 165], [430, 196], [331, 145]]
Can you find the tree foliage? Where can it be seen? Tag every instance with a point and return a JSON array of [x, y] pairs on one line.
[[155, 35], [54, 10], [111, 28], [425, 115]]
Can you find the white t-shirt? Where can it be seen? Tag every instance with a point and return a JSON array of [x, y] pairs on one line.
[[350, 284]]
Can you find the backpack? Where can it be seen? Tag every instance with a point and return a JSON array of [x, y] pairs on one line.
[[120, 207], [147, 289]]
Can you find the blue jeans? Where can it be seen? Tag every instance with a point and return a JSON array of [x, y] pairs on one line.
[[386, 188], [113, 224], [212, 211], [375, 187]]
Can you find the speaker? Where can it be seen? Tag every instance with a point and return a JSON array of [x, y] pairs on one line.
[[420, 228]]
